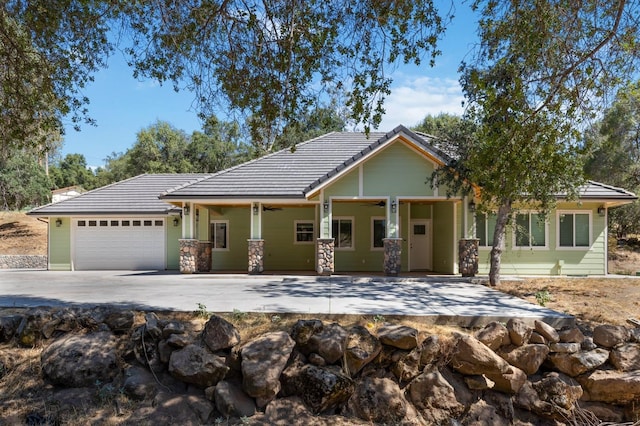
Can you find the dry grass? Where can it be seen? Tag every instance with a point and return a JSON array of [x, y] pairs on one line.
[[22, 234]]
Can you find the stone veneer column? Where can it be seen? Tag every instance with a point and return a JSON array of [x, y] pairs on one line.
[[204, 256], [468, 256], [256, 256], [392, 256], [325, 253], [188, 255]]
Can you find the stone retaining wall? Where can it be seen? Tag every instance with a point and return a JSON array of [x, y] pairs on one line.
[[23, 262], [377, 373]]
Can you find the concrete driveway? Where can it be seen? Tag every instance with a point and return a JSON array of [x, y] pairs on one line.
[[438, 300]]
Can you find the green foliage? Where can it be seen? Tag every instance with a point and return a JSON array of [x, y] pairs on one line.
[[72, 170], [539, 73], [202, 312], [23, 182], [543, 297], [239, 315], [616, 159]]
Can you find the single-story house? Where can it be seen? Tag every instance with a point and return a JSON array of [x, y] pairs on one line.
[[342, 202]]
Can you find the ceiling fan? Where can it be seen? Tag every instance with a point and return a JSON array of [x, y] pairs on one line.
[[271, 209]]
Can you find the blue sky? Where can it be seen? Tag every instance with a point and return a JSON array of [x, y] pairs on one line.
[[122, 105]]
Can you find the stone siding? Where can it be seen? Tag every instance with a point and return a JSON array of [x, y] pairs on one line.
[[204, 256], [392, 256], [23, 262], [468, 256], [325, 250], [188, 256], [256, 256]]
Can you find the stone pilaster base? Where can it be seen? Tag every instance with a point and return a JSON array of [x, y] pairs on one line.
[[392, 256], [204, 256], [325, 253], [468, 256], [188, 256], [256, 256]]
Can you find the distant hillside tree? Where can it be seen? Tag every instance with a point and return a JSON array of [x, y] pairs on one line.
[[23, 182], [72, 170]]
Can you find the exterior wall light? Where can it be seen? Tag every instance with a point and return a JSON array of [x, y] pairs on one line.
[[255, 209], [394, 206], [185, 209], [601, 210], [472, 206], [58, 223], [176, 221], [325, 206]]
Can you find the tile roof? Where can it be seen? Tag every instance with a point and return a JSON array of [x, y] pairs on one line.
[[291, 173], [600, 191], [137, 195]]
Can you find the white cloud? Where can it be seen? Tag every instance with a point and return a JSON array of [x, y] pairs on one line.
[[413, 99]]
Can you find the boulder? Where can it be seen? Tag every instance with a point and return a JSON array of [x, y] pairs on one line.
[[588, 344], [432, 390], [472, 357], [398, 336], [231, 401], [615, 387], [29, 331], [302, 330], [361, 348], [220, 334], [139, 383], [329, 343], [380, 401], [519, 331], [478, 382], [494, 335], [8, 326], [285, 412], [173, 409], [263, 360], [196, 365], [483, 414], [81, 360], [179, 340], [537, 339], [609, 336], [407, 366], [171, 328], [321, 388], [574, 364], [547, 331], [429, 350], [635, 334], [528, 357], [626, 357], [554, 396], [153, 328], [564, 348], [120, 321], [571, 335]]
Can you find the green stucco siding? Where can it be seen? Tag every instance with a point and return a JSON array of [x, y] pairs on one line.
[[281, 252], [345, 186], [173, 234], [444, 231], [235, 258], [397, 170], [361, 257], [60, 245], [554, 260]]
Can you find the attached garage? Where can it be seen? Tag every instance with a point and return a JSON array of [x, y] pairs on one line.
[[118, 243]]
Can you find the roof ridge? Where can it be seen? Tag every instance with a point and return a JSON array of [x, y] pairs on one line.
[[612, 187]]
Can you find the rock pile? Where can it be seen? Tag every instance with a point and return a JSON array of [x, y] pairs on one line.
[[500, 375]]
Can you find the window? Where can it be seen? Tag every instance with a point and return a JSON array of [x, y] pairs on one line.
[[82, 223], [530, 231], [485, 227], [93, 223], [148, 222], [574, 229], [378, 232], [126, 223], [304, 233], [104, 223], [137, 223], [158, 223], [115, 223], [219, 235], [342, 231]]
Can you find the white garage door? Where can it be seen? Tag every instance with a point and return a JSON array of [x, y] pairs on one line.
[[119, 243]]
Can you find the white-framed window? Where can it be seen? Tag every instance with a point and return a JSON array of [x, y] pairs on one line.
[[485, 227], [378, 232], [219, 231], [531, 231], [304, 232], [574, 229], [343, 232]]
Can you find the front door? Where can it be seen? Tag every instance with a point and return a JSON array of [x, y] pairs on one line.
[[420, 245]]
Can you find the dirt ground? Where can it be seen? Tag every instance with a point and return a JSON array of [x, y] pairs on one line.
[[22, 234]]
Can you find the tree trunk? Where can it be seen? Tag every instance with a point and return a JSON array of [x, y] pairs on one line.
[[498, 241]]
